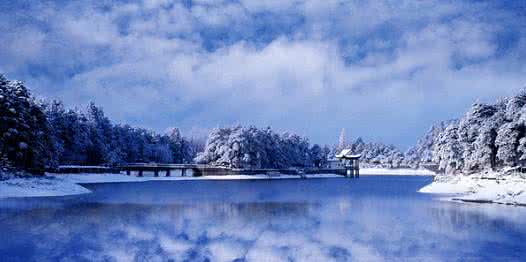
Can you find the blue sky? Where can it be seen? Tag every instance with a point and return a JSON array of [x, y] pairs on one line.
[[383, 70]]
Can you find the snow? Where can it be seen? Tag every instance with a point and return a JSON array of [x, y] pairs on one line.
[[396, 172], [487, 187], [68, 184], [81, 167], [347, 153], [39, 187]]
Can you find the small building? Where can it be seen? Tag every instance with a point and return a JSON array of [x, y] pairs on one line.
[[350, 161]]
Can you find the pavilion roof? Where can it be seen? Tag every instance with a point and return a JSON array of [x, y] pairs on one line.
[[347, 154]]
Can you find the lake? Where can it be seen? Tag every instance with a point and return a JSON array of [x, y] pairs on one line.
[[373, 218]]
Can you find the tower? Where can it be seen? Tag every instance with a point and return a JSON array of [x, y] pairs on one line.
[[341, 141]]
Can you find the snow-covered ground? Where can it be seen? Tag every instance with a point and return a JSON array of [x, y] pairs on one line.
[[39, 187], [396, 172], [487, 187]]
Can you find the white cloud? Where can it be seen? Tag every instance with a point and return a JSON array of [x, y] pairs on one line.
[[270, 5], [226, 250], [354, 64]]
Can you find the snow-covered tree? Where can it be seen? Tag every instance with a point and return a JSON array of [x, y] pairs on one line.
[[477, 134], [447, 152], [486, 137], [25, 140], [35, 135], [422, 152], [250, 147]]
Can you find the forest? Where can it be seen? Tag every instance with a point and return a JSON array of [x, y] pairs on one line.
[[41, 134], [38, 134], [486, 137]]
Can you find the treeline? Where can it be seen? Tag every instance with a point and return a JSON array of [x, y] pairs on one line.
[[90, 138], [373, 154], [422, 152], [35, 135], [378, 154], [250, 147], [487, 137]]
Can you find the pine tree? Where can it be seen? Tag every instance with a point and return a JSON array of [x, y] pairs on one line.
[[25, 141]]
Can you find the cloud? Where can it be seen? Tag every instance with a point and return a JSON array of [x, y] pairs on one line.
[[307, 66]]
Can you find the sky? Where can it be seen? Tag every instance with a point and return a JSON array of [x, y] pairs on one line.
[[383, 70]]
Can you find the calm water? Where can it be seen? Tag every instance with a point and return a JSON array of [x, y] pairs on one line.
[[366, 219]]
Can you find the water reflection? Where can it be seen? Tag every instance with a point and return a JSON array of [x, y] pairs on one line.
[[371, 219]]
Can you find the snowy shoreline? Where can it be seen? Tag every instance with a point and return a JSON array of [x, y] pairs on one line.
[[487, 187], [395, 172], [70, 184]]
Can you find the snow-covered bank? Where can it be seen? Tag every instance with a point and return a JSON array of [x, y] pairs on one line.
[[487, 187], [68, 184], [111, 178], [396, 172], [39, 187]]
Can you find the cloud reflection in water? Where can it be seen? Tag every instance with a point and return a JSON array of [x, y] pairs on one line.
[[333, 222]]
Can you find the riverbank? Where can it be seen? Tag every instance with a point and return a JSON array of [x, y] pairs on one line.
[[71, 184], [396, 172], [488, 187]]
